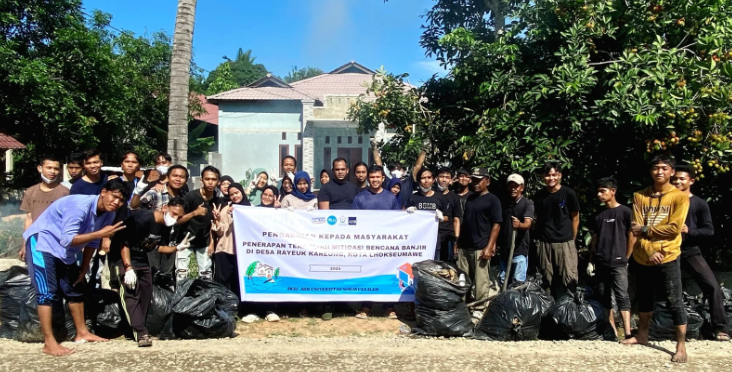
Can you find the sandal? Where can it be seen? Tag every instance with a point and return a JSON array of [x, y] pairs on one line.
[[391, 314], [721, 336], [272, 317], [363, 314]]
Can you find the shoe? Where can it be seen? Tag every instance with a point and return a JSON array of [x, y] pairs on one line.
[[478, 314], [327, 316], [251, 318], [144, 341], [272, 317]]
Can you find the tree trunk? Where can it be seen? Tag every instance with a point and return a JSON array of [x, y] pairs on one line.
[[498, 14], [180, 73]]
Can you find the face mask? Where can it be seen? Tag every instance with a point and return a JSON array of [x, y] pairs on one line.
[[46, 180], [397, 173], [424, 190], [441, 188], [162, 169], [169, 220]]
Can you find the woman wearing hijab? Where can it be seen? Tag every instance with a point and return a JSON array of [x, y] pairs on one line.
[[270, 197], [223, 227], [224, 183], [256, 185], [395, 186], [324, 177], [301, 197], [286, 188]]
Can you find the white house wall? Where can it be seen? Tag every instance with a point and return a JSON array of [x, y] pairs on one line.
[[250, 133]]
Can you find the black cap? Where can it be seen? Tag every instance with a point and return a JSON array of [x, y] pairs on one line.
[[479, 173]]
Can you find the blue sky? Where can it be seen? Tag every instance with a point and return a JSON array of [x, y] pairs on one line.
[[286, 33]]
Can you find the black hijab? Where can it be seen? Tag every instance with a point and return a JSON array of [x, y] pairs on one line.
[[276, 195], [244, 199]]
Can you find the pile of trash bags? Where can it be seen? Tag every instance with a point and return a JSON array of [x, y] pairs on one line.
[[662, 324], [197, 310], [439, 303], [707, 331], [516, 314], [578, 316], [14, 284]]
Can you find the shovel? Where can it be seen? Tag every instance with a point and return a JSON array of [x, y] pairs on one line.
[[510, 260]]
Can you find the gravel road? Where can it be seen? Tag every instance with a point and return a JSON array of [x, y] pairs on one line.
[[363, 354]]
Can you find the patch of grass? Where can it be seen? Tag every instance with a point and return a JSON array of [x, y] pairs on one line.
[[293, 320], [312, 322]]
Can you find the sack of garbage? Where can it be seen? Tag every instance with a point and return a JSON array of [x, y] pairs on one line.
[[662, 324], [439, 300], [455, 322], [515, 315], [105, 315], [14, 285], [159, 319], [577, 316], [436, 284], [203, 309], [29, 326]]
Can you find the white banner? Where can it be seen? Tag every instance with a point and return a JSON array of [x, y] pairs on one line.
[[330, 255]]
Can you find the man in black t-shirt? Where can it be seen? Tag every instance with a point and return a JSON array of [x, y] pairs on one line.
[[697, 228], [479, 232], [462, 189], [449, 230], [199, 227], [557, 221], [609, 252], [144, 231], [427, 199], [338, 193], [518, 215]]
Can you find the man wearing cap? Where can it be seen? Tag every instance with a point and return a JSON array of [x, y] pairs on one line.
[[518, 215], [557, 222], [479, 232]]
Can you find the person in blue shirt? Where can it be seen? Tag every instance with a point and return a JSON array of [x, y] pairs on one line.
[[94, 179], [69, 225], [375, 197]]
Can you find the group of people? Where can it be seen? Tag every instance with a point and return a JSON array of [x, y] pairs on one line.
[[147, 227]]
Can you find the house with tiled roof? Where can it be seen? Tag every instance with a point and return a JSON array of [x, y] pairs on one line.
[[269, 119]]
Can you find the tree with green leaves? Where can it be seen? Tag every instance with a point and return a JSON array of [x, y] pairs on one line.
[[251, 269], [236, 73], [71, 83], [598, 85], [298, 74]]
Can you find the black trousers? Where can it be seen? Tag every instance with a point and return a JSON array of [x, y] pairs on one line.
[[698, 269], [162, 266], [136, 301], [667, 279], [613, 281], [226, 271]]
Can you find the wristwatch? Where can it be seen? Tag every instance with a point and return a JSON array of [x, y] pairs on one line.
[[644, 230]]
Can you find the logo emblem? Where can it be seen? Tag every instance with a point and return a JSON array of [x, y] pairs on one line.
[[343, 219], [318, 220], [351, 221], [332, 220]]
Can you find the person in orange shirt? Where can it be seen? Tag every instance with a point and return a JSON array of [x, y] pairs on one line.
[[659, 213]]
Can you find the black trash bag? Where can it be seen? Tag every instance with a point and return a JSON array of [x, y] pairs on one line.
[[533, 284], [159, 320], [707, 331], [515, 315], [662, 324], [435, 292], [105, 315], [29, 325], [14, 286], [455, 322], [577, 316], [203, 309]]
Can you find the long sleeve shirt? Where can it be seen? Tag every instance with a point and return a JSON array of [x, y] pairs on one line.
[[664, 216], [63, 220], [699, 223]]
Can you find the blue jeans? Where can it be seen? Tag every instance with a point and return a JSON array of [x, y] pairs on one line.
[[519, 266]]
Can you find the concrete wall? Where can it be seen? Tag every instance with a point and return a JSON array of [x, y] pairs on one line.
[[334, 107], [250, 133]]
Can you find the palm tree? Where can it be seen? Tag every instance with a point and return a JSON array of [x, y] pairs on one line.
[[180, 73]]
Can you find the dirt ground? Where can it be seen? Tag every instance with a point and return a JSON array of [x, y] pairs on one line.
[[347, 344]]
